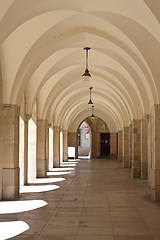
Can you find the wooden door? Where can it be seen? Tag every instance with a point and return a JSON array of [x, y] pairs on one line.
[[105, 143]]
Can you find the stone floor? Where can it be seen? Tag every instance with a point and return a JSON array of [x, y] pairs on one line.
[[98, 200]]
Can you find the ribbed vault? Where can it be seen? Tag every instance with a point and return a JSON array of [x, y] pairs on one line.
[[42, 58]]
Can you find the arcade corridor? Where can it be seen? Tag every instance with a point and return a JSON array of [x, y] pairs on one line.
[[98, 200]]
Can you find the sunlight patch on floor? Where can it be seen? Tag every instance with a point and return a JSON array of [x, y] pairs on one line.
[[57, 173], [68, 164], [20, 206], [61, 169], [48, 180], [72, 160], [41, 188], [11, 229]]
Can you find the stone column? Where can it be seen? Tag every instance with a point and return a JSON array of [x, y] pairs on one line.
[[47, 145], [76, 145], [130, 146], [155, 164], [10, 153], [56, 146], [136, 148], [65, 145], [144, 147], [125, 153], [93, 144], [149, 148], [120, 146], [1, 158], [98, 143], [113, 145], [41, 148]]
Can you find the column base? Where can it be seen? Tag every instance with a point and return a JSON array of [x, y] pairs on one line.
[[119, 159], [65, 157], [113, 156], [155, 184], [155, 194], [41, 168], [10, 183], [144, 175], [56, 161], [136, 172], [125, 163]]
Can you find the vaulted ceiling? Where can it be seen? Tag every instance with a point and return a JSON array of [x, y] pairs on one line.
[[41, 54]]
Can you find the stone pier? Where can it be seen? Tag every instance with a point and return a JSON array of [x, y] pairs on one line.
[[41, 148], [56, 146], [125, 152], [136, 148], [10, 152]]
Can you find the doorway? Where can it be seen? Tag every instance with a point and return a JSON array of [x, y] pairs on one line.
[[84, 141], [105, 144]]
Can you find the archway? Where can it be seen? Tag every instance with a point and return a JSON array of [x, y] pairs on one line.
[[32, 141], [84, 140], [21, 152]]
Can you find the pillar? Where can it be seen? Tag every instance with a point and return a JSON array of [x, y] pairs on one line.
[[10, 132], [98, 143], [113, 145], [1, 158], [144, 147], [47, 145], [65, 145], [41, 148], [125, 153], [56, 146], [93, 144], [149, 147], [136, 148], [155, 163], [120, 146], [130, 146]]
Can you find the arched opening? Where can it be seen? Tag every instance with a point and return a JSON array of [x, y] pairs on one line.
[[21, 151], [32, 129], [50, 148], [84, 141], [61, 146]]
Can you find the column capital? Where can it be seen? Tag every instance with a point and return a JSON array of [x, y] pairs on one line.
[[49, 125], [147, 117], [56, 128], [27, 117], [65, 131]]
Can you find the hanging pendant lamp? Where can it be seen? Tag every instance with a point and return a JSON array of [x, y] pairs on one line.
[[90, 100], [92, 116], [86, 74]]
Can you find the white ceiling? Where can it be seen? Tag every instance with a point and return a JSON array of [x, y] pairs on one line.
[[42, 56]]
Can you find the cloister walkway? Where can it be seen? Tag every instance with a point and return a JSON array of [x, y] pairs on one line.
[[96, 200]]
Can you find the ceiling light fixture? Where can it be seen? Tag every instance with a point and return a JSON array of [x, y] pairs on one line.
[[86, 74], [92, 116], [90, 100]]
